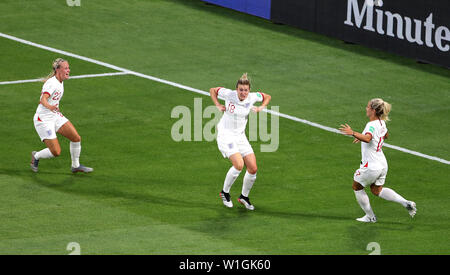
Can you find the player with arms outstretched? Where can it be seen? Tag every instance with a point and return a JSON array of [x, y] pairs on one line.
[[373, 169], [231, 139], [48, 120]]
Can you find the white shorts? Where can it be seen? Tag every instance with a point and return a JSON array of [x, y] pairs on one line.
[[232, 144], [367, 177], [47, 128]]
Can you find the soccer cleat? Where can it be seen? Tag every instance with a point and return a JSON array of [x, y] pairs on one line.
[[246, 202], [411, 207], [34, 162], [82, 168], [366, 218], [226, 199]]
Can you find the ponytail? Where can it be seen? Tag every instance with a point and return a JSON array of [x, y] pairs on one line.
[[381, 107], [56, 64]]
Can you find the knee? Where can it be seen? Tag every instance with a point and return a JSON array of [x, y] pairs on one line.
[[375, 189], [76, 138], [252, 170], [239, 166], [56, 152], [357, 186]]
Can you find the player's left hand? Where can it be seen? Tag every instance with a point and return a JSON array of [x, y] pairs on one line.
[[257, 109], [346, 129]]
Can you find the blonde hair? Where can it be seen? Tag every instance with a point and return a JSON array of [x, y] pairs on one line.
[[243, 80], [381, 107], [56, 64]]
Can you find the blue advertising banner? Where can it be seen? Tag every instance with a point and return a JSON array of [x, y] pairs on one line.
[[260, 8]]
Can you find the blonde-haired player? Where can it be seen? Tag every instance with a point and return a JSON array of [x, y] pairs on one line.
[[231, 139], [48, 120], [373, 169]]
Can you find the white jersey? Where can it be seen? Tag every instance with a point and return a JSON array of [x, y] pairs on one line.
[[55, 90], [235, 117], [372, 152]]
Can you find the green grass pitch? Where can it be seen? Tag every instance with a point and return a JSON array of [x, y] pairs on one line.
[[152, 195]]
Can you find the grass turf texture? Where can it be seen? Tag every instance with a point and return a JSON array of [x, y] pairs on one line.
[[151, 195]]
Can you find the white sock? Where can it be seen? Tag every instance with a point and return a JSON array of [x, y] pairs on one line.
[[249, 180], [44, 154], [232, 175], [75, 150], [391, 195], [363, 200]]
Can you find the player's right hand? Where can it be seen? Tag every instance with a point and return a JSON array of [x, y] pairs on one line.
[[54, 108], [221, 108]]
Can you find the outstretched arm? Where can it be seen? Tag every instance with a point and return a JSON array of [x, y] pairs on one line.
[[347, 130]]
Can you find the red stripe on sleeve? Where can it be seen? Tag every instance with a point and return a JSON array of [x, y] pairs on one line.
[[43, 93]]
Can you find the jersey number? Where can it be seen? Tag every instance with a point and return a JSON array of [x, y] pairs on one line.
[[231, 107], [380, 144], [56, 96]]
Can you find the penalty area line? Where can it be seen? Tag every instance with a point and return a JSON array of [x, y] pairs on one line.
[[71, 77], [87, 59]]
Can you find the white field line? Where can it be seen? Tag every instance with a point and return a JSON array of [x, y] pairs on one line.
[[87, 59], [71, 77]]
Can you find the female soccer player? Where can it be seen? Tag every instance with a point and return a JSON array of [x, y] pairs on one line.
[[231, 139], [48, 120], [373, 169]]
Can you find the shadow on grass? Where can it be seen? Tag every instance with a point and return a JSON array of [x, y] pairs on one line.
[[299, 215], [101, 186]]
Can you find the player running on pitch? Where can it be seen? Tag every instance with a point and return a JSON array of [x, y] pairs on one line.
[[48, 120], [373, 169], [231, 139]]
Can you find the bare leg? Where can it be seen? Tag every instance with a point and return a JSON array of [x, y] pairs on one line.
[[237, 161], [53, 146], [69, 131], [250, 163]]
